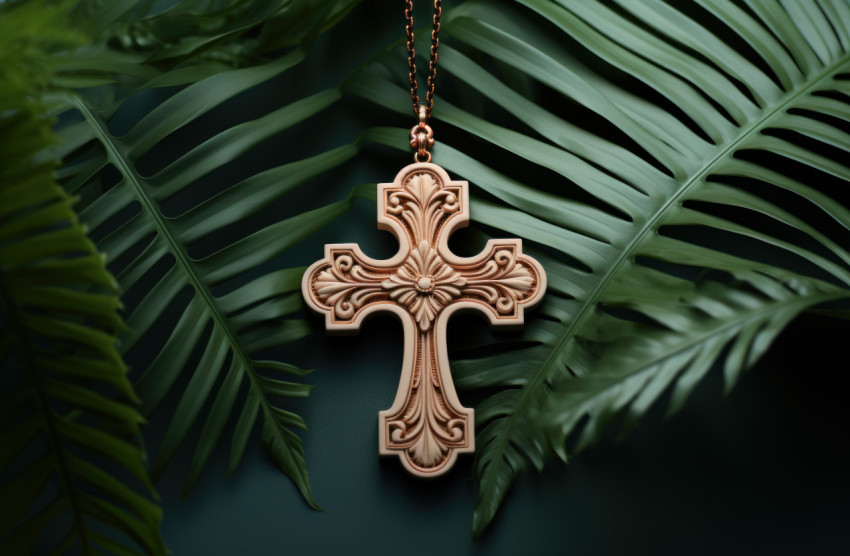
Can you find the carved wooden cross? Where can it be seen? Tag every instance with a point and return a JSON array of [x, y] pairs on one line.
[[424, 284]]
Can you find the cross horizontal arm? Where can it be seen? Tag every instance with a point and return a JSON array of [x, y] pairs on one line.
[[346, 286], [501, 281]]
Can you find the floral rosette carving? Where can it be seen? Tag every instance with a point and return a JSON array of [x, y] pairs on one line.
[[424, 285]]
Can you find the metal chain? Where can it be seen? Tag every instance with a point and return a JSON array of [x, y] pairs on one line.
[[411, 57], [421, 135]]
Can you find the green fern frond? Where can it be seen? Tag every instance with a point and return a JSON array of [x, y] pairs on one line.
[[70, 423], [636, 367], [236, 309], [666, 139]]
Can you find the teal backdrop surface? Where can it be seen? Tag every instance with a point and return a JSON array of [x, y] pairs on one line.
[[760, 471]]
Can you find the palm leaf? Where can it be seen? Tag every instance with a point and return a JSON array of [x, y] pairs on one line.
[[70, 421], [229, 307], [638, 366], [674, 131]]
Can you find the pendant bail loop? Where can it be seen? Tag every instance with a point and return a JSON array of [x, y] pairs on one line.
[[421, 139]]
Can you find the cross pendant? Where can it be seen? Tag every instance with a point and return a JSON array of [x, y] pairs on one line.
[[424, 284]]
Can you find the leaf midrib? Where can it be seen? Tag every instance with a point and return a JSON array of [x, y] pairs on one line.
[[749, 316], [114, 153], [10, 309], [626, 252]]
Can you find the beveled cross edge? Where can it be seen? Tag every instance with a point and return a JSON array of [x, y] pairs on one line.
[[458, 220]]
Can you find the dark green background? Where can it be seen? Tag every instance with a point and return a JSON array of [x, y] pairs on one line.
[[762, 470]]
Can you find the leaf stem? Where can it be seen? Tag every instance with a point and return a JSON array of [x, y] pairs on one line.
[[24, 348], [625, 254], [756, 315], [150, 206]]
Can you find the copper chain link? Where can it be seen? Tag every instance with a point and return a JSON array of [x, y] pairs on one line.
[[421, 136]]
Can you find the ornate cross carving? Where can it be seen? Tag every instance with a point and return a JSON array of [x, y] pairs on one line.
[[424, 284]]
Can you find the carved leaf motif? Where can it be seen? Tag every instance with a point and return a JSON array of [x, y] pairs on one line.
[[422, 205], [502, 281], [427, 428], [427, 451], [346, 287], [423, 187]]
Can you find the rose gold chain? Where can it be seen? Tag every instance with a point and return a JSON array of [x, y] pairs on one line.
[[421, 135], [411, 56]]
